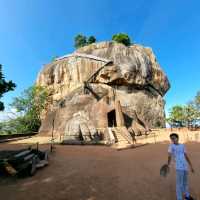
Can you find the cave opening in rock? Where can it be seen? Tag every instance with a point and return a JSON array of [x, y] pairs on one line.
[[112, 119]]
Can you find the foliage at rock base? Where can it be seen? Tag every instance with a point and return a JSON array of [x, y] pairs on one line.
[[29, 106]]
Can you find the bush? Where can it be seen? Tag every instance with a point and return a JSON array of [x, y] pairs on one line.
[[30, 106], [91, 40], [122, 38], [80, 41]]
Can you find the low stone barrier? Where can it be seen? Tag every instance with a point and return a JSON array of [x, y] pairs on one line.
[[162, 135]]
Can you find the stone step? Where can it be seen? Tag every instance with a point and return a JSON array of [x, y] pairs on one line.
[[118, 139], [121, 140], [125, 134], [120, 146], [119, 136]]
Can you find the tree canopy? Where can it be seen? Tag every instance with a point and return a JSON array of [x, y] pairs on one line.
[[177, 113], [197, 101], [186, 115], [5, 86], [91, 40], [30, 105], [81, 40], [122, 38]]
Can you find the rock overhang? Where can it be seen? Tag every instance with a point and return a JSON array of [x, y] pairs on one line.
[[134, 66]]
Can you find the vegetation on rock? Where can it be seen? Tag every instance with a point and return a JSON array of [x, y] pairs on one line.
[[81, 41], [91, 40], [122, 38]]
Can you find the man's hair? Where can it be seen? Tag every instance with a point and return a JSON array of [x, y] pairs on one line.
[[174, 135]]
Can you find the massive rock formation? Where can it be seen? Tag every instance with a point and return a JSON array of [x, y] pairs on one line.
[[86, 84]]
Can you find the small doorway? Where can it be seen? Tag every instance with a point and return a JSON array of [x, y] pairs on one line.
[[112, 119]]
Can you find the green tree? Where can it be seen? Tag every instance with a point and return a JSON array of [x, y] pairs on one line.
[[122, 38], [184, 115], [91, 40], [5, 86], [30, 104], [187, 114], [177, 114], [197, 101], [190, 113], [80, 41]]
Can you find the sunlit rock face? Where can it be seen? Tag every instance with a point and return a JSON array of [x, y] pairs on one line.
[[112, 72]]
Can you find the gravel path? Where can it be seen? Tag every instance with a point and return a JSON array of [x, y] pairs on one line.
[[101, 173]]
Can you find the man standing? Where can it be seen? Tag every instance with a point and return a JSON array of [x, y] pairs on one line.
[[178, 153]]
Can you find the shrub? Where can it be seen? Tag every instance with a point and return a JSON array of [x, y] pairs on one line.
[[30, 105], [122, 38], [80, 41], [91, 40]]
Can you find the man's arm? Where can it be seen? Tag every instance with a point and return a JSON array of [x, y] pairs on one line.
[[169, 159], [189, 162]]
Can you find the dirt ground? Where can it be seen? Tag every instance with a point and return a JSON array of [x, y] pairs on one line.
[[101, 173]]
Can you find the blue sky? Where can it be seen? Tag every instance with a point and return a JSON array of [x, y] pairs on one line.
[[34, 31]]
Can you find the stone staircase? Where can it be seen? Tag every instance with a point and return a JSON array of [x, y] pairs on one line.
[[121, 140]]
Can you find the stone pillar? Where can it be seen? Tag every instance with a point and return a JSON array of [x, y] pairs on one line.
[[119, 114]]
